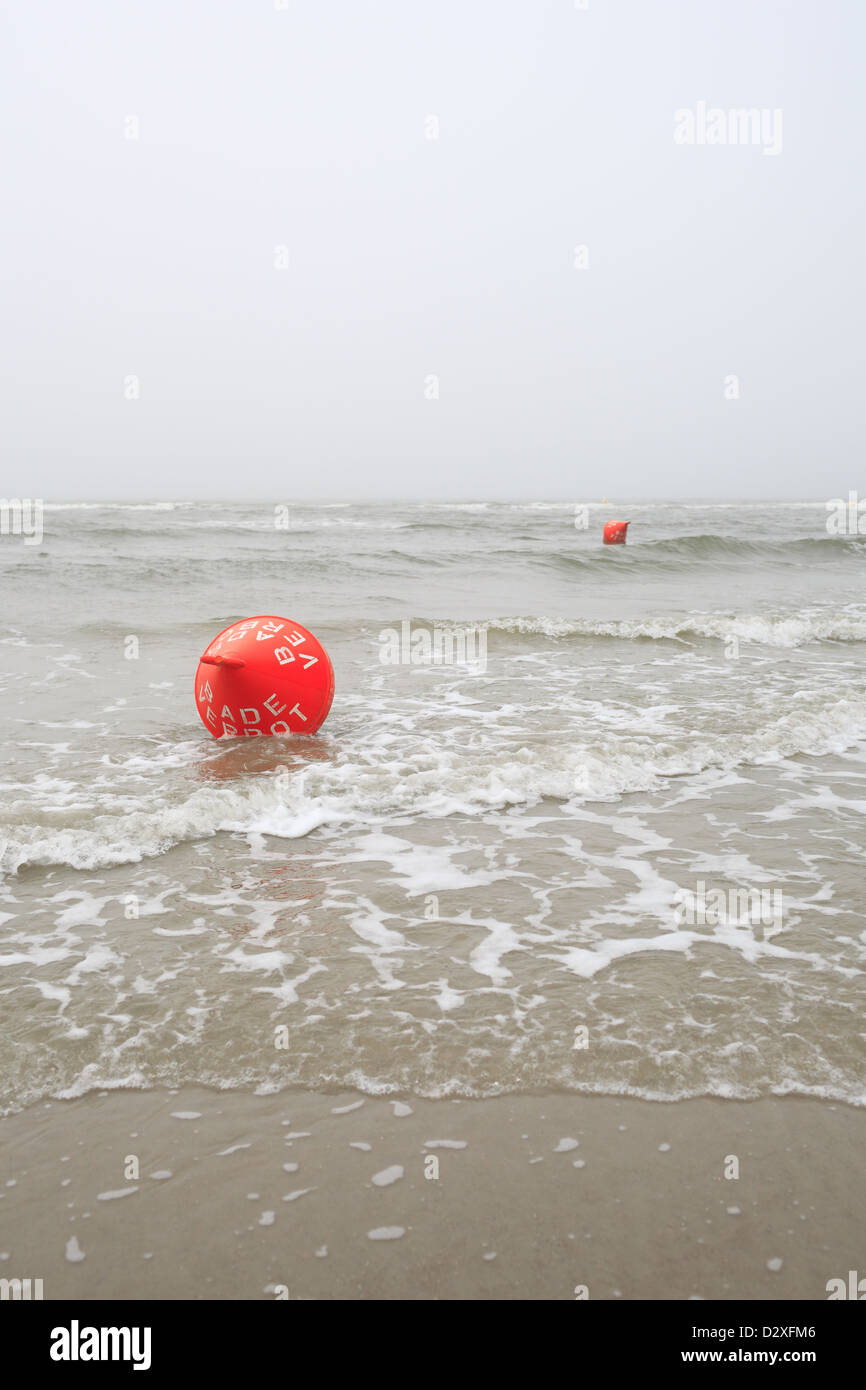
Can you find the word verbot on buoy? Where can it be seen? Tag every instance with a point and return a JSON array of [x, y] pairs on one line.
[[264, 676], [614, 532]]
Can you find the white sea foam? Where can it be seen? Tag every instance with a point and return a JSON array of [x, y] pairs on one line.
[[118, 506], [437, 781], [387, 1176], [774, 630]]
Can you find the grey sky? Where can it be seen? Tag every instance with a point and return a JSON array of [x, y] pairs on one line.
[[408, 257]]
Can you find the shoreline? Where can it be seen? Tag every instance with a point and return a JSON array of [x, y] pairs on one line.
[[208, 1194]]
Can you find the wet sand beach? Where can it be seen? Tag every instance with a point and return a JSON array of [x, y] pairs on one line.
[[312, 1196]]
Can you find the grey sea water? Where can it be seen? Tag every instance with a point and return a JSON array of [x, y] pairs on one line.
[[524, 873]]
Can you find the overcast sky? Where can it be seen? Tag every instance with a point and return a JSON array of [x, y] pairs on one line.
[[238, 210]]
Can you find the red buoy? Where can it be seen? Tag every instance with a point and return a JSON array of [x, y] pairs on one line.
[[614, 532], [264, 676]]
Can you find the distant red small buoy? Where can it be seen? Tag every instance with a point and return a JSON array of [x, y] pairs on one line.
[[264, 676], [614, 532]]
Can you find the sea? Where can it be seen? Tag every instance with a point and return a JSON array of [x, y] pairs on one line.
[[582, 818]]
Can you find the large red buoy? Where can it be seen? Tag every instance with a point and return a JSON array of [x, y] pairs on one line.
[[264, 676], [614, 532]]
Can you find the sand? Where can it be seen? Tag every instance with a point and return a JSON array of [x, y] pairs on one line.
[[637, 1208]]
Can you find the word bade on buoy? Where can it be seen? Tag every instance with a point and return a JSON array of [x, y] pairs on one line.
[[264, 676], [614, 532]]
